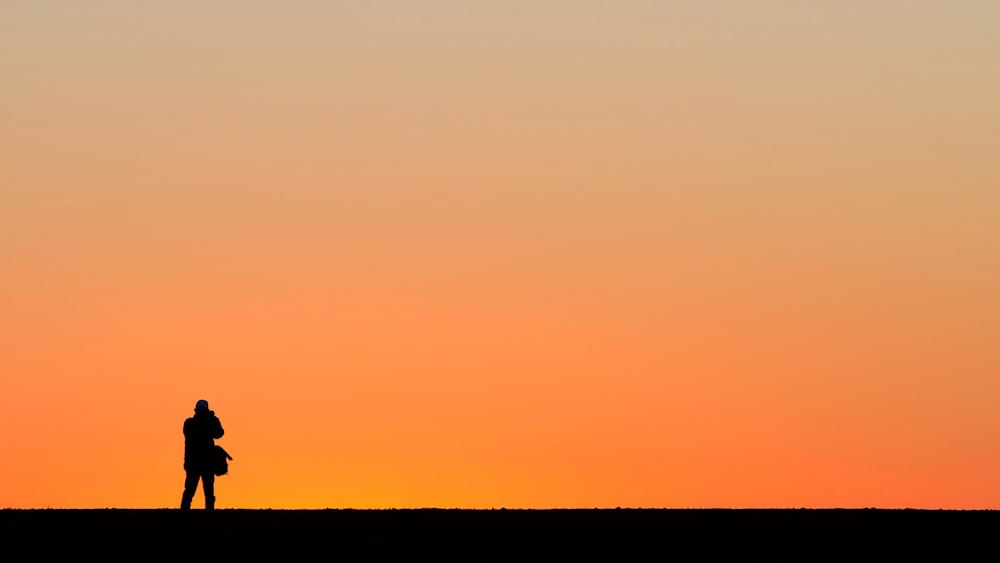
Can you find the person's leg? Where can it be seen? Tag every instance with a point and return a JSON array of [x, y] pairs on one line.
[[208, 483], [190, 488]]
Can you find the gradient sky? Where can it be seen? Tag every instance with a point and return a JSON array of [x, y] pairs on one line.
[[517, 253]]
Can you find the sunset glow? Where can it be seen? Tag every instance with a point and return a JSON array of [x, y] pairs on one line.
[[511, 253]]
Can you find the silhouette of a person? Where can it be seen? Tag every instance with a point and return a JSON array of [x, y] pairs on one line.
[[200, 433]]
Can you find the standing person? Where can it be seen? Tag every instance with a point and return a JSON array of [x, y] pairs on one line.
[[200, 433]]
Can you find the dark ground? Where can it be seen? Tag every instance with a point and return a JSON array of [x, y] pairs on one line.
[[471, 535]]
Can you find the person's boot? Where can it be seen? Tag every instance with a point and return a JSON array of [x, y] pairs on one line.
[[185, 502], [210, 503]]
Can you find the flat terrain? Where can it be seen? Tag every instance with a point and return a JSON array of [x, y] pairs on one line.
[[480, 534]]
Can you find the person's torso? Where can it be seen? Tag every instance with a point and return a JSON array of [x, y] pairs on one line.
[[199, 433]]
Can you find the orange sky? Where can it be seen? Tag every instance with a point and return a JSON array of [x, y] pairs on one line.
[[527, 254]]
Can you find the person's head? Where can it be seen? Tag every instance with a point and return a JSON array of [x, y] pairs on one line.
[[201, 405]]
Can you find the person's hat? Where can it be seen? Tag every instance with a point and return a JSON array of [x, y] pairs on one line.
[[201, 405]]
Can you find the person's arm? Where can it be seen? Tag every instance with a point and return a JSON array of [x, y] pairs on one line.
[[218, 429]]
